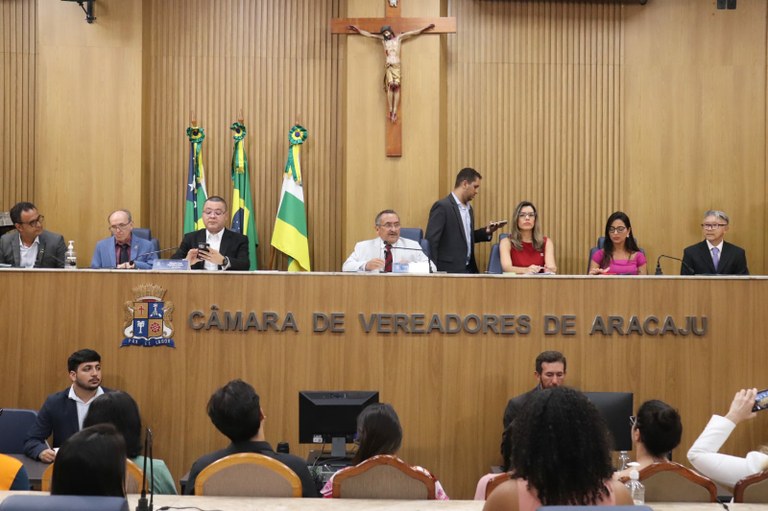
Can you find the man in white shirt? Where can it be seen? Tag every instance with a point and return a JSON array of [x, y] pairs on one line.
[[714, 256], [63, 413], [382, 253], [29, 246], [215, 247]]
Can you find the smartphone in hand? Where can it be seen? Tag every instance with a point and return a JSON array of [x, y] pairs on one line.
[[498, 223], [761, 401]]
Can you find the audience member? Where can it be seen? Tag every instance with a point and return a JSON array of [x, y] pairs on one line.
[[713, 255], [215, 247], [63, 412], [620, 254], [235, 411], [549, 371], [560, 456], [120, 410], [379, 432], [29, 246], [725, 469], [380, 254], [656, 430], [13, 475], [91, 462], [526, 250], [506, 449], [123, 250], [451, 227]]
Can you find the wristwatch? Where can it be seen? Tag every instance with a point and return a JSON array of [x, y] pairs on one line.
[[225, 263]]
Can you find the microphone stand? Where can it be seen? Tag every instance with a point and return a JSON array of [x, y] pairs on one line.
[[143, 505], [658, 264], [132, 261]]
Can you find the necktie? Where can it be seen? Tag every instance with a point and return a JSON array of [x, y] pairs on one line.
[[715, 257], [387, 257], [125, 253]]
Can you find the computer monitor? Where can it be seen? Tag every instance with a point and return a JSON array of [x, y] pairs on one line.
[[616, 408], [331, 416]]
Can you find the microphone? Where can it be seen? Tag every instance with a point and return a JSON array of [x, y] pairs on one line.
[[413, 249], [658, 264], [132, 261], [39, 259], [142, 504]]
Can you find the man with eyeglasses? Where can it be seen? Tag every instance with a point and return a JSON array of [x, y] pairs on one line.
[[215, 247], [122, 250], [714, 256], [29, 246], [381, 253]]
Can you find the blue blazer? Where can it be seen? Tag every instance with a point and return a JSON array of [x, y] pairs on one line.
[[104, 255], [58, 416]]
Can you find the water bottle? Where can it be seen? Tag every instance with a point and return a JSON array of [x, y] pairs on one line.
[[635, 487], [623, 460], [70, 258]]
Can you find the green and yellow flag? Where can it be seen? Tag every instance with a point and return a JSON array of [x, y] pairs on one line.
[[195, 193], [290, 234], [242, 204]]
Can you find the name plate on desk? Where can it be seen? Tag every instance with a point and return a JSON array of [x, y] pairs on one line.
[[412, 267], [170, 264]]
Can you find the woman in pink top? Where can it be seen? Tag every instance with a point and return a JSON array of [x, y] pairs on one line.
[[620, 254], [560, 456], [526, 250]]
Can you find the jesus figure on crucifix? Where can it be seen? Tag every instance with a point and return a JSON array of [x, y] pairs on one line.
[[391, 43]]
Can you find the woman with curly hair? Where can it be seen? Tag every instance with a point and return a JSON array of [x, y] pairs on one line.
[[620, 254], [656, 430], [560, 456], [526, 249]]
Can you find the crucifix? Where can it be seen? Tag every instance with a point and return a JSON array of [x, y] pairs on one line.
[[391, 30]]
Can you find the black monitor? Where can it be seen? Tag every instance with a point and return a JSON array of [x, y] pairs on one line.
[[616, 408], [331, 416]]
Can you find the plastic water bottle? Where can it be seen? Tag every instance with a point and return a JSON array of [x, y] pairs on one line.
[[635, 487], [70, 258], [623, 460]]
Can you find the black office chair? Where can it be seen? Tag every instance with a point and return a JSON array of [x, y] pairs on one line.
[[14, 424]]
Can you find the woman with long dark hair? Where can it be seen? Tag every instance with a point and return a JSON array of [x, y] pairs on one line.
[[620, 254], [379, 432], [526, 249], [560, 456]]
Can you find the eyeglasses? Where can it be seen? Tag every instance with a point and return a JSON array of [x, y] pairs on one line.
[[118, 227], [632, 421], [526, 215], [395, 225], [34, 223], [213, 212], [712, 227], [619, 229]]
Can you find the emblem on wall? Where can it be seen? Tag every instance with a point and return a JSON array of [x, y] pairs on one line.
[[147, 318]]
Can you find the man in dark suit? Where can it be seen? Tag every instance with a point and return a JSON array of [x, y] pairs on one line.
[[63, 412], [225, 249], [714, 256], [29, 246], [450, 229], [549, 373]]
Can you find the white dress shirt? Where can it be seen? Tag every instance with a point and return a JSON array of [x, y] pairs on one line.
[[214, 240], [374, 249], [28, 255]]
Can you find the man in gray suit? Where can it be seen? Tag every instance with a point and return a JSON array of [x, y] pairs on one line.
[[29, 246]]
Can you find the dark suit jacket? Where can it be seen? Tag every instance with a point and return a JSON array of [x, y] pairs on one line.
[[233, 245], [447, 241], [733, 260], [515, 405], [50, 253], [298, 465], [58, 416]]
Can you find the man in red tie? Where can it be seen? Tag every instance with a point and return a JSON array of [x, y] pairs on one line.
[[381, 253]]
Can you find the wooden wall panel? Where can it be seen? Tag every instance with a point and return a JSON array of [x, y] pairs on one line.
[[277, 63], [18, 80], [535, 93]]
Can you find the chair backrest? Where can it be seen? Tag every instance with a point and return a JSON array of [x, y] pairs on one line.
[[133, 477], [412, 233], [248, 475], [494, 261], [14, 425], [63, 503], [495, 482], [672, 482], [143, 232], [383, 477], [752, 489], [598, 246], [424, 242]]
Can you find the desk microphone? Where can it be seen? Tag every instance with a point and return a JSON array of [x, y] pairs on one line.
[[132, 261], [431, 262], [142, 504], [658, 264], [39, 259]]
